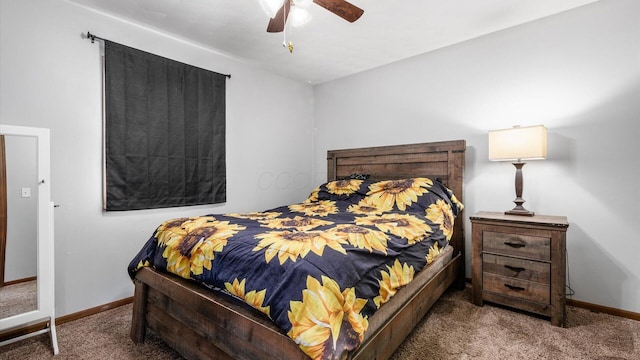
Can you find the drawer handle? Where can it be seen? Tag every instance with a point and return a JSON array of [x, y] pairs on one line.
[[515, 288], [515, 269], [515, 244]]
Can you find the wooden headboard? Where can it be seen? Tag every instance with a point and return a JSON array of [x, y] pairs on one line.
[[437, 160]]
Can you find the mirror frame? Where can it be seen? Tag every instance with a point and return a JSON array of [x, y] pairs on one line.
[[45, 271]]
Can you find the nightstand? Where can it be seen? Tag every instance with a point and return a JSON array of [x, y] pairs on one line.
[[519, 261]]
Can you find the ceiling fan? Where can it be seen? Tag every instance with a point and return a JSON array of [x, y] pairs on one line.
[[341, 8]]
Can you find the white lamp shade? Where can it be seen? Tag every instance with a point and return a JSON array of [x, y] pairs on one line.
[[518, 143]]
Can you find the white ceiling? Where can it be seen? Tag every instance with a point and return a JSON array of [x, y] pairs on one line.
[[329, 47]]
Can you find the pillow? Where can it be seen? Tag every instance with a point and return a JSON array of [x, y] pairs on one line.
[[352, 190], [412, 194], [398, 194]]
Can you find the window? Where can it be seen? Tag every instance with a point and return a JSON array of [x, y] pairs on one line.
[[164, 132]]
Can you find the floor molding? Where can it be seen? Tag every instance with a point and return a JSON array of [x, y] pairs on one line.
[[604, 309], [596, 308], [13, 282], [94, 310], [29, 328]]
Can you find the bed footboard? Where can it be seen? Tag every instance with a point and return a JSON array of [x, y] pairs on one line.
[[201, 324]]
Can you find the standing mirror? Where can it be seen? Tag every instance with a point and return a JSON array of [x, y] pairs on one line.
[[18, 242], [26, 232]]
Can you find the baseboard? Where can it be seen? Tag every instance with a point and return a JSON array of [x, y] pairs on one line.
[[13, 282], [597, 308], [604, 309], [29, 328], [94, 310]]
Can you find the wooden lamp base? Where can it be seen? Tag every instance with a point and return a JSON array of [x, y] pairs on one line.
[[519, 209]]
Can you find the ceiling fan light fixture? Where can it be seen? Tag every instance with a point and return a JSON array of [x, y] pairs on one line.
[[299, 16], [271, 7], [341, 8]]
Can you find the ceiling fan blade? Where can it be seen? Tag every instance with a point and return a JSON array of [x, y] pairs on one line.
[[276, 24], [341, 8]]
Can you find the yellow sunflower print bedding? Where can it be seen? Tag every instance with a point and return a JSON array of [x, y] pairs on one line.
[[318, 269]]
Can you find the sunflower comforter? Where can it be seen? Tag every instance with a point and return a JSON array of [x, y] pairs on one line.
[[320, 268]]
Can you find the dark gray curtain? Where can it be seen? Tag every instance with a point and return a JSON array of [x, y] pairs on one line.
[[165, 132]]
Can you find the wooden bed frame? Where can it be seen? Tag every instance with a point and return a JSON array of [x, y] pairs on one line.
[[203, 324]]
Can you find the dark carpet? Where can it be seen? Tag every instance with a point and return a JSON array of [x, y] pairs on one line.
[[453, 329]]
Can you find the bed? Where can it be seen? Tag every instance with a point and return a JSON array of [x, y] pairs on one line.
[[201, 323]]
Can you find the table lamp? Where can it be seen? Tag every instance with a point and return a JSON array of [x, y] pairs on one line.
[[517, 144]]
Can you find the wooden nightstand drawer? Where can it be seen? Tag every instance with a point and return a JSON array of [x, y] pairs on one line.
[[537, 271], [532, 247], [522, 289], [520, 262]]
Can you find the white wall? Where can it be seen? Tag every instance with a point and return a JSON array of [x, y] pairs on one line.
[[578, 73], [21, 169], [51, 77]]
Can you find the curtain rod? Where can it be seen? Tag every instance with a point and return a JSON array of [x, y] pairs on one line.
[[93, 38]]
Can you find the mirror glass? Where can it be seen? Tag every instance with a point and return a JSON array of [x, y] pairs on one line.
[[18, 283]]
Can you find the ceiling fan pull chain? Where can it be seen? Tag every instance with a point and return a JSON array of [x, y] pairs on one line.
[[284, 38], [287, 28], [288, 45], [284, 28]]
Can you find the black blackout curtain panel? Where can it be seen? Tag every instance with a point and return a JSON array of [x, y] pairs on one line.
[[164, 132]]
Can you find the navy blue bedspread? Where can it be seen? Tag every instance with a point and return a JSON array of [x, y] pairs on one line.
[[320, 268]]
